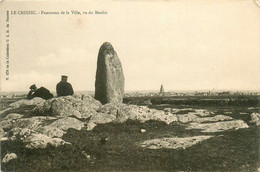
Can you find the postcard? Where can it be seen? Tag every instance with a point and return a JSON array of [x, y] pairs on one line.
[[130, 85]]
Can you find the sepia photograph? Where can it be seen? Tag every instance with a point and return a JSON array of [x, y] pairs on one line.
[[151, 85]]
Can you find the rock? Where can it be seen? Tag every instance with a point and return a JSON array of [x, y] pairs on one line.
[[102, 118], [33, 123], [243, 113], [191, 117], [90, 100], [20, 133], [213, 119], [3, 139], [174, 110], [173, 143], [34, 139], [37, 101], [86, 155], [13, 116], [218, 126], [202, 112], [6, 124], [105, 114], [114, 112], [120, 113], [143, 130], [8, 157], [185, 118], [49, 126], [167, 110], [51, 131], [227, 113], [255, 118], [109, 85], [143, 114], [66, 123], [91, 125], [67, 106], [110, 108]]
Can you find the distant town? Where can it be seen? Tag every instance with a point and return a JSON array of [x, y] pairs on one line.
[[153, 93]]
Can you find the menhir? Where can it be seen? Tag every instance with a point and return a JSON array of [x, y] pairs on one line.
[[109, 85]]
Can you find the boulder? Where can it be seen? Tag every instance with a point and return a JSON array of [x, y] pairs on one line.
[[218, 126], [6, 124], [8, 157], [90, 100], [255, 118], [173, 143], [37, 101], [120, 113], [66, 123], [109, 84], [33, 123], [185, 118], [202, 112], [143, 114], [67, 106], [35, 140], [101, 118], [51, 131]]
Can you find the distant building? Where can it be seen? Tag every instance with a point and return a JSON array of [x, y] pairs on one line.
[[224, 93], [161, 90]]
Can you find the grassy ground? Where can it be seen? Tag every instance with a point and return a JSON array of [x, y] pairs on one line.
[[227, 151]]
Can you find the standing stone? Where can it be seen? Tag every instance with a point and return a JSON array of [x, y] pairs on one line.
[[109, 86]]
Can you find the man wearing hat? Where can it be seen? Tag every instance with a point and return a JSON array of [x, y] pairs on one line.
[[40, 92], [64, 88]]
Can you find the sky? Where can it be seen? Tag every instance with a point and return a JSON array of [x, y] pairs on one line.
[[191, 45]]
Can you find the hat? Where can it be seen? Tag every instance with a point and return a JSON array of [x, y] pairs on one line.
[[64, 76], [33, 86]]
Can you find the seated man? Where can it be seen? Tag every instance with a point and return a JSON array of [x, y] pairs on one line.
[[40, 92], [64, 88]]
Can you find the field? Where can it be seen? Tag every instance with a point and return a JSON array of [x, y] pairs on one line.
[[114, 146]]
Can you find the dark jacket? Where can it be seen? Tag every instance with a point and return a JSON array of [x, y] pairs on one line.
[[64, 89], [40, 92]]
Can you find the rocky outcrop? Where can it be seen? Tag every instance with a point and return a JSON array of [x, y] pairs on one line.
[[173, 143], [191, 117], [68, 106], [39, 131], [218, 126], [66, 123], [109, 85], [37, 101], [35, 140], [120, 113], [75, 112]]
